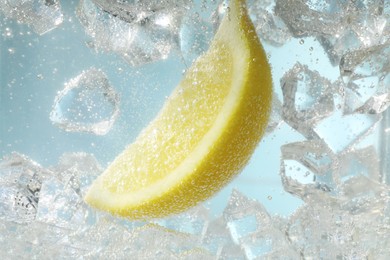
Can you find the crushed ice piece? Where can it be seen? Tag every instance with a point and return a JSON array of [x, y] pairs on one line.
[[78, 170], [62, 206], [310, 18], [275, 118], [358, 162], [269, 27], [88, 103], [366, 75], [330, 232], [42, 15], [307, 98], [195, 35], [217, 236], [306, 169], [20, 186], [194, 221], [340, 132], [244, 216], [340, 26], [252, 229], [140, 32]]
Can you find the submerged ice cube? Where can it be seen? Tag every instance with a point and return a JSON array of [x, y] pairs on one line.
[[140, 32], [269, 26], [340, 26], [307, 98], [341, 132], [251, 228], [88, 103], [328, 231], [41, 15], [20, 186], [306, 169], [366, 74]]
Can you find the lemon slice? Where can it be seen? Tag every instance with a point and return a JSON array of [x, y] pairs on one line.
[[203, 136]]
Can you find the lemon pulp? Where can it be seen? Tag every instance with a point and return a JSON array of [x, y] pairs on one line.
[[203, 136]]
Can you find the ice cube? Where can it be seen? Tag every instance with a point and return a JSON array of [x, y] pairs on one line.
[[307, 98], [195, 35], [306, 169], [366, 74], [244, 216], [341, 132], [20, 185], [269, 27], [61, 206], [217, 236], [140, 32], [42, 15], [78, 170], [275, 117], [328, 231], [88, 103], [310, 18]]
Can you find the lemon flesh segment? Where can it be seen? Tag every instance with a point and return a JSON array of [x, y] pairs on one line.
[[203, 136]]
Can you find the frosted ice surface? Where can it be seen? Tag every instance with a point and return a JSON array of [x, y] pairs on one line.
[[140, 32], [366, 74], [306, 169], [307, 98], [41, 15], [20, 185], [88, 103], [319, 230]]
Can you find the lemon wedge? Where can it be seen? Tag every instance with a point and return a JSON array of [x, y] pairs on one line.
[[203, 136]]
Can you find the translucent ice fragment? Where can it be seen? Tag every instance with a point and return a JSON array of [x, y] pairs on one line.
[[331, 232], [251, 228], [306, 169], [310, 17], [366, 74], [78, 170], [41, 15], [141, 32], [217, 236], [20, 185], [340, 132], [244, 216], [307, 98], [276, 117], [269, 27], [195, 35], [88, 103], [61, 206]]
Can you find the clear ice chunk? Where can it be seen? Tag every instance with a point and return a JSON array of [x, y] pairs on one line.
[[328, 231], [20, 186], [366, 74], [307, 98], [140, 32], [88, 103], [251, 228], [78, 170], [275, 117], [42, 15], [341, 132], [310, 18], [269, 26], [306, 169]]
